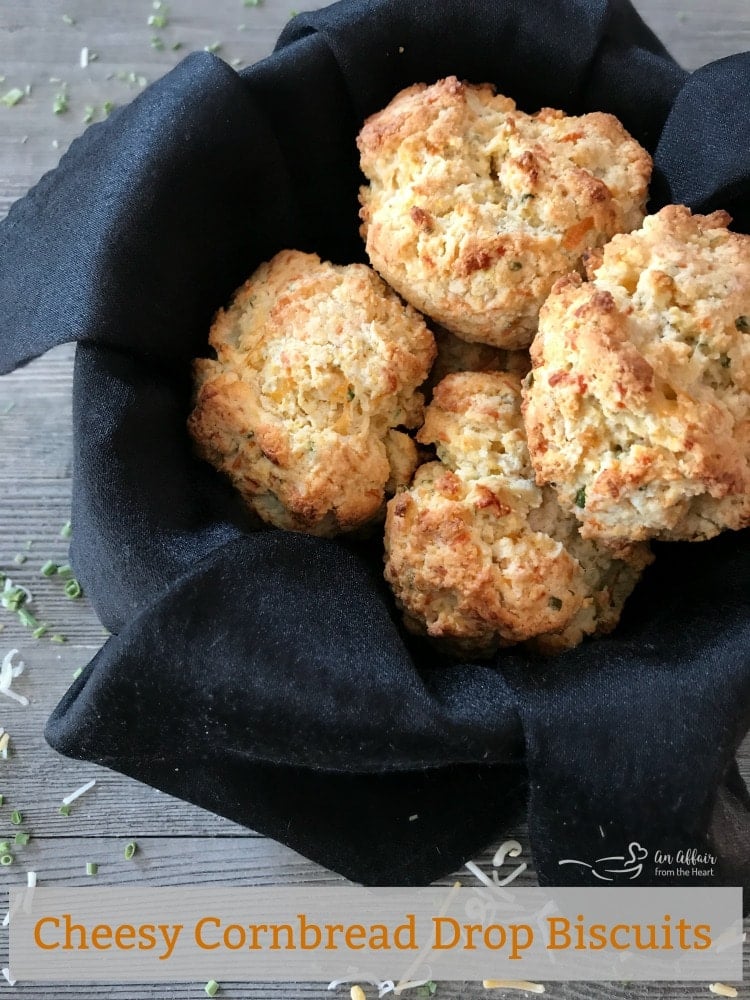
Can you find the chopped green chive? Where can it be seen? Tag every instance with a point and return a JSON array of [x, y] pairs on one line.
[[27, 619], [89, 114], [68, 19], [527, 197], [65, 570], [92, 868], [16, 817], [743, 324], [158, 21], [157, 43], [22, 838], [6, 859], [580, 500], [211, 988], [555, 603], [4, 847], [49, 568], [57, 638], [130, 850], [73, 589], [108, 107], [251, 3], [213, 47], [176, 46], [350, 395], [12, 597], [2, 799], [12, 97], [515, 265], [724, 360], [28, 544], [77, 673], [64, 810], [61, 103], [41, 630], [67, 530], [19, 558]]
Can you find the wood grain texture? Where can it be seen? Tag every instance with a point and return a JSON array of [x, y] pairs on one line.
[[179, 844]]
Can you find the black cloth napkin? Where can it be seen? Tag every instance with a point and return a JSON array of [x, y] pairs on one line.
[[265, 675]]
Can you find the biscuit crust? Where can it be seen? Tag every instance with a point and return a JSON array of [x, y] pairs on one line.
[[315, 379], [638, 405], [474, 208], [477, 554]]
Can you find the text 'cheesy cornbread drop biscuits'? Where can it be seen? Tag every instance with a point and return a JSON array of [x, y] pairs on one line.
[[474, 208], [638, 405], [477, 554], [317, 367]]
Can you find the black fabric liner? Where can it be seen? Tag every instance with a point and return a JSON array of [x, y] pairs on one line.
[[265, 675]]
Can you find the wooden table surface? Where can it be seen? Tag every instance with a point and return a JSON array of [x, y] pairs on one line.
[[40, 48]]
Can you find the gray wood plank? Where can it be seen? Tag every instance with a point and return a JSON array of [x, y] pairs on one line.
[[696, 32]]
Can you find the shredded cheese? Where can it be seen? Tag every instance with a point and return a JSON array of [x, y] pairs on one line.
[[7, 675], [84, 57], [477, 872], [722, 990], [6, 974], [410, 986], [512, 984], [508, 848], [31, 880], [78, 792]]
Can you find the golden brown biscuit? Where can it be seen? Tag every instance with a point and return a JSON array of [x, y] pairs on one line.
[[638, 406], [475, 208], [477, 554], [317, 367]]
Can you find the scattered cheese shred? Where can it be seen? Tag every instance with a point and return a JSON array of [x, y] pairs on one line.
[[7, 675], [477, 872], [410, 986], [6, 974], [6, 919], [508, 848], [31, 880], [722, 990], [512, 984], [78, 792], [84, 57]]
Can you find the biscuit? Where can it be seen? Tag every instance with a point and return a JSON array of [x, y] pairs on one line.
[[638, 405], [474, 208], [477, 554], [315, 379]]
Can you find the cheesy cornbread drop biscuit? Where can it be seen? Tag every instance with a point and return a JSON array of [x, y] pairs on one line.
[[477, 554], [638, 405], [316, 369], [474, 208]]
